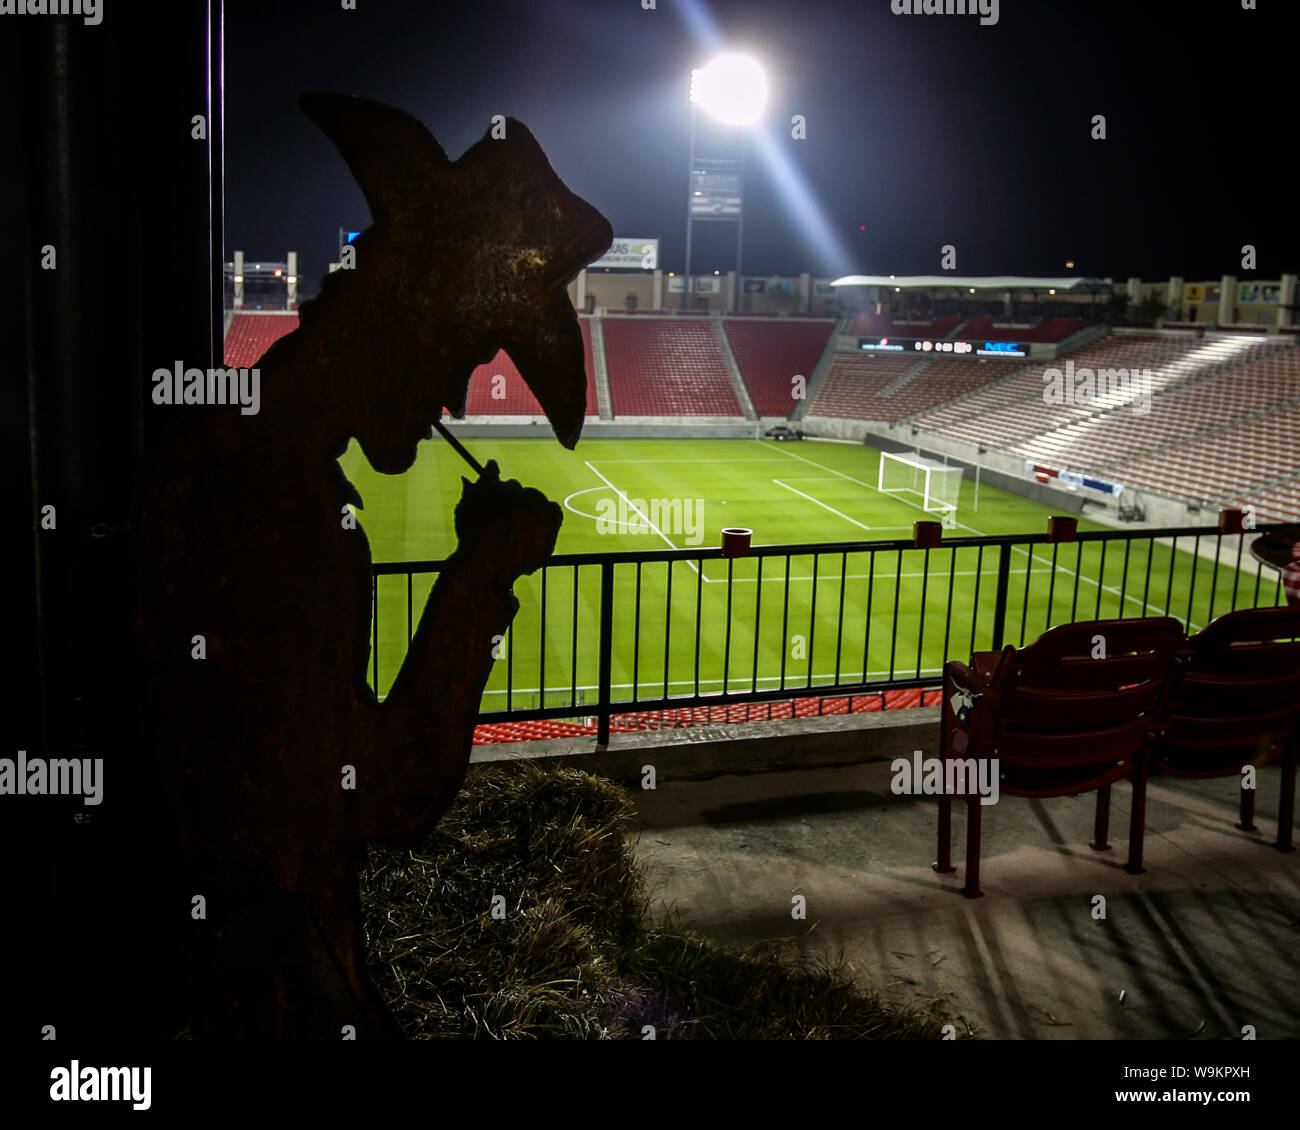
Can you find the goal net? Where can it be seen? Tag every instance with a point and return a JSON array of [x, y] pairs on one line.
[[933, 486]]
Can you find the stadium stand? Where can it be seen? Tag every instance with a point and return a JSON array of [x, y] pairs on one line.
[[854, 382], [855, 385], [663, 367], [1015, 409], [251, 335], [871, 325], [1223, 425], [1276, 502], [1054, 329], [1195, 407], [1231, 460], [769, 354], [514, 397], [940, 380], [1223, 422]]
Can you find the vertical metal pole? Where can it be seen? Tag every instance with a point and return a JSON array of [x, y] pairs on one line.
[[606, 649], [736, 300], [636, 638], [920, 628], [1000, 600], [668, 621], [1146, 584], [1191, 585], [573, 651], [812, 620], [726, 647], [690, 208], [1214, 577]]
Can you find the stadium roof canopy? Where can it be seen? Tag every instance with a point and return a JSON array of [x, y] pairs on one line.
[[979, 282]]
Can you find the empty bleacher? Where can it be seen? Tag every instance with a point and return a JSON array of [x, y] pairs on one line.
[[855, 385], [1227, 462], [1279, 502], [251, 335], [1013, 409], [940, 380], [1189, 409], [667, 367], [769, 354], [513, 397], [871, 325]]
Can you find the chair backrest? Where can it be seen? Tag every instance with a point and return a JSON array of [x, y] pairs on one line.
[[1253, 641], [1083, 694], [1235, 695]]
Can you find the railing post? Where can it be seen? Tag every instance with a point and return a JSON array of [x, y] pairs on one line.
[[606, 649], [1000, 601]]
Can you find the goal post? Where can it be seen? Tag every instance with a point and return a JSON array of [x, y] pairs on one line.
[[933, 486]]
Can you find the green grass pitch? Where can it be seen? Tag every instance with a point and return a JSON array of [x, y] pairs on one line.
[[892, 614]]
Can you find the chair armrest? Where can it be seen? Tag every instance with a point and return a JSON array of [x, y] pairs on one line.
[[965, 677]]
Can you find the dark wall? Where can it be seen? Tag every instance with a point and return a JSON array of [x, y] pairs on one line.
[[100, 164]]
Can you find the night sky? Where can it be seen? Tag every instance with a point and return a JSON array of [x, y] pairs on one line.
[[923, 129]]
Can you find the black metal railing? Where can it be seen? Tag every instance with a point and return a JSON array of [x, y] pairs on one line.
[[602, 634]]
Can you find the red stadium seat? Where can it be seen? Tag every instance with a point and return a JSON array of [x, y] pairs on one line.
[[1235, 702], [1058, 719]]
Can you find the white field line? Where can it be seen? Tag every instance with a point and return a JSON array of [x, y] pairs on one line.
[[639, 511], [815, 502], [759, 460], [1144, 605], [779, 578]]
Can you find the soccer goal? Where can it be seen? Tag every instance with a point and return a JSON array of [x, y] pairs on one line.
[[933, 486]]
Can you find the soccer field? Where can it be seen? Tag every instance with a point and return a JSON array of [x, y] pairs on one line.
[[812, 620]]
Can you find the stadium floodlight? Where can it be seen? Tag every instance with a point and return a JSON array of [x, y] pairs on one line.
[[731, 88]]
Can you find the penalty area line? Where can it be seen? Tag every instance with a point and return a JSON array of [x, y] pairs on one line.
[[816, 502]]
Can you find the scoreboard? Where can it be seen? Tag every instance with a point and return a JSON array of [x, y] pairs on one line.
[[943, 345]]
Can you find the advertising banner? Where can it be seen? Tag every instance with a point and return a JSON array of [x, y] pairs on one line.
[[627, 252]]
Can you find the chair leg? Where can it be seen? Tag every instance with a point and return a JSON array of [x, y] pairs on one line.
[[1101, 825], [974, 813], [1138, 817], [1247, 810], [944, 863], [1286, 802]]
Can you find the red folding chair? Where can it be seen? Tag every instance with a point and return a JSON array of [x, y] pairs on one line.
[[1070, 713], [1235, 701]]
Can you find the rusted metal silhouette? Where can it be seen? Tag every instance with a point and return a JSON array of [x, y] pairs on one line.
[[246, 544]]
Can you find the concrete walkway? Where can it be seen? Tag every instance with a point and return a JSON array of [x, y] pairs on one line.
[[1208, 940]]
